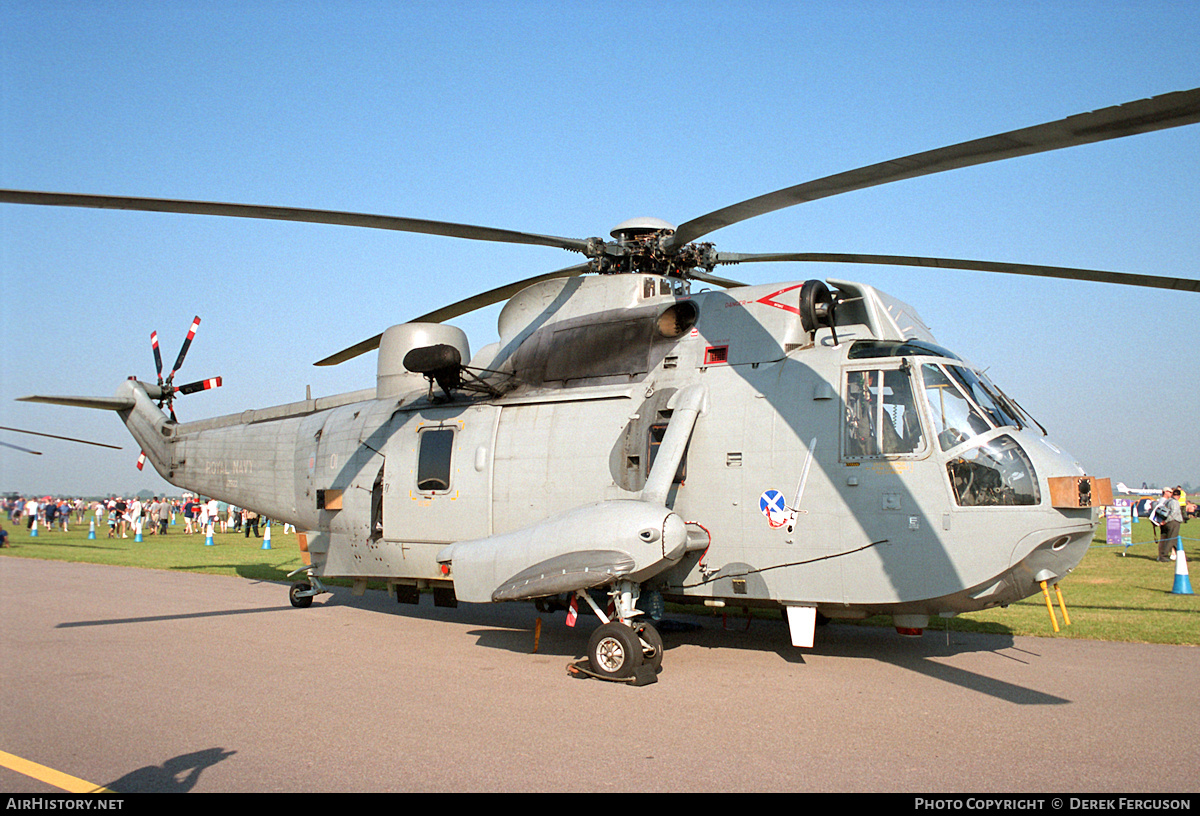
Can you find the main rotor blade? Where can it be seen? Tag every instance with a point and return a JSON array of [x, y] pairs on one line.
[[22, 450], [456, 309], [346, 219], [707, 277], [1143, 116], [1127, 278], [65, 438], [496, 295]]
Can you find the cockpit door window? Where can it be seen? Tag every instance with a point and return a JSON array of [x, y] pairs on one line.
[[881, 417]]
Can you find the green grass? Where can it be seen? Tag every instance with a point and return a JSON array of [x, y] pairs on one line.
[[231, 553], [1114, 594]]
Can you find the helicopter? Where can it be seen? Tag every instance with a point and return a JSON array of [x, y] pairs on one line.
[[636, 438]]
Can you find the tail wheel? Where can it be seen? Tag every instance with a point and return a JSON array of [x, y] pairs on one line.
[[614, 651]]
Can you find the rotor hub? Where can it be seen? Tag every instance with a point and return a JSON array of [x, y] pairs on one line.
[[639, 249]]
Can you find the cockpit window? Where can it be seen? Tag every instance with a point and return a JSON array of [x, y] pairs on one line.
[[871, 349], [881, 415], [986, 396], [955, 419], [995, 474]]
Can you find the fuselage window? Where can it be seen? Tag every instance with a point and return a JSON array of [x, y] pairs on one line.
[[433, 459], [881, 415]]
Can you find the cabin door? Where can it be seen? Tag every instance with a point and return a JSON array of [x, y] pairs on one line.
[[437, 477]]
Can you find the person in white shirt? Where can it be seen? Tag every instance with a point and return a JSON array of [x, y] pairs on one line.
[[214, 514]]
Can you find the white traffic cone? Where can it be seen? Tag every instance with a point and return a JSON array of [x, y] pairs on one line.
[[208, 542], [1183, 584], [266, 545]]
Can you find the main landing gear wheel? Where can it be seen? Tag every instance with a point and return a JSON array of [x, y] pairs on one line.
[[652, 646], [299, 601], [614, 651]]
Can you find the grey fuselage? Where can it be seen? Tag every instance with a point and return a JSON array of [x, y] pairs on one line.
[[871, 504]]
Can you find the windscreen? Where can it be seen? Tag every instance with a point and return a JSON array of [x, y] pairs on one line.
[[955, 419]]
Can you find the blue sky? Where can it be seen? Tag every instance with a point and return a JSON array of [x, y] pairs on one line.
[[566, 118]]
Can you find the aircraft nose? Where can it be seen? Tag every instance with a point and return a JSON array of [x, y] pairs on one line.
[[1050, 555]]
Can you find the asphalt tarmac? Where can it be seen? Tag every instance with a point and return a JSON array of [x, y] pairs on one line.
[[164, 681]]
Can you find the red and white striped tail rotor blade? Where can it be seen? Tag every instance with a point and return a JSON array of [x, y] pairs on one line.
[[200, 385], [191, 335], [157, 356], [141, 462]]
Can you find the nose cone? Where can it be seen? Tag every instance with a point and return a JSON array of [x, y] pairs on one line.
[[1049, 555]]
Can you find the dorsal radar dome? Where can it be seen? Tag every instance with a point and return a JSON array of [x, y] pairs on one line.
[[637, 227]]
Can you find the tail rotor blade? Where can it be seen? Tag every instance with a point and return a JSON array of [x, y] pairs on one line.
[[157, 355], [186, 345], [199, 385]]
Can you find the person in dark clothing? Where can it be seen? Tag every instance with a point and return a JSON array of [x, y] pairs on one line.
[[251, 522]]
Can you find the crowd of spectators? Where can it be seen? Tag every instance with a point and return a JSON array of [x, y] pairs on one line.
[[122, 516]]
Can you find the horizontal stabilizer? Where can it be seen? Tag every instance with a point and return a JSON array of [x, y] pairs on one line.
[[566, 573], [102, 403]]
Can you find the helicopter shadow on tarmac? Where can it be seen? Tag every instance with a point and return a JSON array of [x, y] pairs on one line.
[[924, 655], [511, 627]]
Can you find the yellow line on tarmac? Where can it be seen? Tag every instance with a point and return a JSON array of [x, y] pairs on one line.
[[48, 775]]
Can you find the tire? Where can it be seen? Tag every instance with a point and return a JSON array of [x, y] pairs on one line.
[[614, 651], [650, 637], [300, 602]]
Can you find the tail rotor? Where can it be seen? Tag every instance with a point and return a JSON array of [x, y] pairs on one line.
[[167, 390]]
